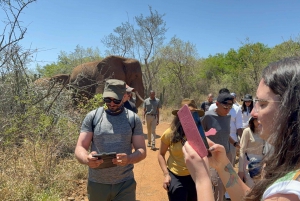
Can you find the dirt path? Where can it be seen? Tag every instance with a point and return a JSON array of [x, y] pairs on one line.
[[148, 174]]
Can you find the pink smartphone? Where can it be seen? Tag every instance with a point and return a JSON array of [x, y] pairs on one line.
[[191, 131]]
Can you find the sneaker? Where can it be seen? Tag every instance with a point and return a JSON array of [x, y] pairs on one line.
[[149, 145], [153, 147]]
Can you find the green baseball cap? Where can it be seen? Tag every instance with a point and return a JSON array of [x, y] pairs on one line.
[[114, 89]]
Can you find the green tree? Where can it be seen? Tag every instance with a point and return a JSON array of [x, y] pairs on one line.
[[180, 66], [13, 57], [213, 68], [140, 42], [121, 42], [286, 49], [252, 58], [66, 62]]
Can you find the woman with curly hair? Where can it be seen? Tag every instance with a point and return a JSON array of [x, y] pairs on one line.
[[177, 180], [278, 112]]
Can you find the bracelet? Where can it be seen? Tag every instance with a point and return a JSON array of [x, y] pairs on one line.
[[235, 143]]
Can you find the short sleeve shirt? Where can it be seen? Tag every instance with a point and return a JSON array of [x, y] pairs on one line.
[[151, 106], [175, 161], [205, 105], [222, 126], [112, 134], [288, 184]]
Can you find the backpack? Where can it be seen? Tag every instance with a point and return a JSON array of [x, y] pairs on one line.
[[99, 112]]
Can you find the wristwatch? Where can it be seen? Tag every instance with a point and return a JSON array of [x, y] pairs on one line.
[[235, 143]]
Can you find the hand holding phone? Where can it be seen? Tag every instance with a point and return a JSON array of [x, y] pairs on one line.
[[194, 133]]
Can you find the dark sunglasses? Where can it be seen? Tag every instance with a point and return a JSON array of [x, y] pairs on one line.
[[108, 100], [227, 106]]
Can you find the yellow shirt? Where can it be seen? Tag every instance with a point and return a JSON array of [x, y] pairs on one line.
[[175, 161]]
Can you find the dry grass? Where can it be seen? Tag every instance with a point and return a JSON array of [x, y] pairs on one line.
[[33, 172], [45, 169]]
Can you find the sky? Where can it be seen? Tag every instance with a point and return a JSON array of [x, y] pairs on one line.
[[213, 26]]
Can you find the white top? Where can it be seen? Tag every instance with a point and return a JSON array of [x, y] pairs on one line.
[[246, 115], [251, 144], [288, 184], [236, 121]]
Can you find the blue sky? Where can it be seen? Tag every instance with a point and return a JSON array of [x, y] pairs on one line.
[[213, 26]]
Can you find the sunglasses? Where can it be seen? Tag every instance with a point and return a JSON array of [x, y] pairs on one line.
[[260, 103], [108, 100], [227, 106]]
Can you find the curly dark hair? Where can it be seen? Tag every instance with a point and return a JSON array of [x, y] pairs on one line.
[[283, 78]]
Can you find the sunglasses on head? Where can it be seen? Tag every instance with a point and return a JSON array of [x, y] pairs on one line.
[[108, 100]]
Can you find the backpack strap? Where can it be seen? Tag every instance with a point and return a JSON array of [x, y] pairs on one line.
[[131, 119], [97, 116], [99, 112]]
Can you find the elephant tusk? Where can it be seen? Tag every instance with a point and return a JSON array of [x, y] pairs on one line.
[[138, 95]]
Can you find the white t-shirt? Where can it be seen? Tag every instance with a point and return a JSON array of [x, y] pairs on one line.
[[246, 116]]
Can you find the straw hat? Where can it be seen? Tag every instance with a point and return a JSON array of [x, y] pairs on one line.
[[192, 106]]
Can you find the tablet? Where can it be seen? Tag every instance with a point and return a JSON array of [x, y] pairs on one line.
[[107, 159]]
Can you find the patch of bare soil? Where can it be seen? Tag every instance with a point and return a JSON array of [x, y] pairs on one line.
[[148, 174]]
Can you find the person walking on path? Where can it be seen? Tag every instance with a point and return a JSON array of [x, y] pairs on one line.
[[234, 100], [246, 108], [177, 180], [219, 119], [128, 97], [205, 105], [236, 124], [151, 107], [251, 150], [112, 132]]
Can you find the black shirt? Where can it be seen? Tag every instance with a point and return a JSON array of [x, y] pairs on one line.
[[130, 106], [205, 105]]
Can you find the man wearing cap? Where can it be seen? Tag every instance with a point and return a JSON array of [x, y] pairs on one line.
[[151, 107], [112, 133], [130, 105], [236, 125], [219, 119]]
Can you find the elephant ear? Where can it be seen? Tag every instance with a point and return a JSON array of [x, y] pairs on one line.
[[134, 78]]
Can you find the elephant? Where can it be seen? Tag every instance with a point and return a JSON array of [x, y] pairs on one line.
[[88, 79], [62, 79], [42, 82]]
